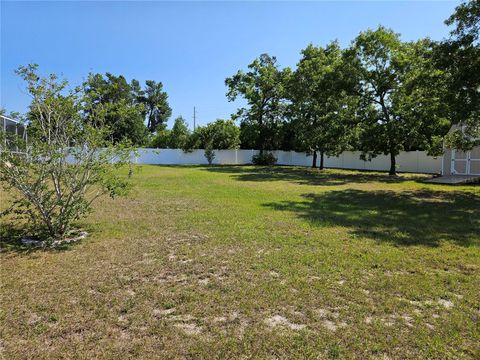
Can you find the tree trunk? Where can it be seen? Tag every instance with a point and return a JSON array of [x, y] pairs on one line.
[[260, 123], [386, 114], [314, 162], [321, 160], [393, 164], [149, 123]]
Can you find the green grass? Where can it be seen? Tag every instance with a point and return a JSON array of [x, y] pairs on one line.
[[228, 262]]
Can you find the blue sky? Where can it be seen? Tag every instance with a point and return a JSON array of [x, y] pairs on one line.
[[190, 46]]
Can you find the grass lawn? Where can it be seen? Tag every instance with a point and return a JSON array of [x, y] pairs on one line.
[[227, 262]]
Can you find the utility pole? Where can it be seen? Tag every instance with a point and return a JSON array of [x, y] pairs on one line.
[[194, 117]]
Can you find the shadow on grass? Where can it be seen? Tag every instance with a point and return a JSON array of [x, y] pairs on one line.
[[304, 175], [408, 218], [10, 241]]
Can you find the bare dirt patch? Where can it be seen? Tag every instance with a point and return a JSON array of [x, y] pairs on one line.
[[182, 318], [189, 329], [204, 281], [447, 304], [278, 320], [163, 312], [330, 325], [330, 319]]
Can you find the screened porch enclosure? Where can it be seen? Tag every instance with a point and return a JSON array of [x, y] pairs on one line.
[[14, 135]]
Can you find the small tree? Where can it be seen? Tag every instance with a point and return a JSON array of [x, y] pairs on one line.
[[221, 135], [69, 163], [265, 158], [209, 154]]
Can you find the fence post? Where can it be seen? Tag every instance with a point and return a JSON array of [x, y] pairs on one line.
[[418, 160]]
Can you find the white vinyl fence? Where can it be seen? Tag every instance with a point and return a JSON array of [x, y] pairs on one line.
[[411, 161]]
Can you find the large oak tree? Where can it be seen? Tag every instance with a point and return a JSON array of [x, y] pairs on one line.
[[401, 94], [323, 101], [459, 56]]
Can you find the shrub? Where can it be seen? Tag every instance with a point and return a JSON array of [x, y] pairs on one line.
[[210, 155], [69, 162], [265, 158]]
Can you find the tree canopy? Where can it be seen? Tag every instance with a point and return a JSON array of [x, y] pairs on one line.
[[220, 135], [123, 107], [459, 57], [156, 105], [400, 99], [263, 87], [179, 134], [323, 101]]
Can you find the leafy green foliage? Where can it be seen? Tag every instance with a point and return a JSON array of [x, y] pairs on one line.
[[466, 19], [156, 105], [401, 94], [459, 57], [220, 134], [13, 114], [263, 87], [112, 103], [161, 139], [68, 165], [176, 138], [456, 139], [179, 135], [209, 155], [323, 101], [264, 158], [122, 107]]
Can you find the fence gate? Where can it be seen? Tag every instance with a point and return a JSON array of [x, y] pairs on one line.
[[475, 161], [466, 162]]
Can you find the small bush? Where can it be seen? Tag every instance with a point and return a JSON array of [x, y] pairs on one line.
[[209, 155], [69, 163], [265, 158]]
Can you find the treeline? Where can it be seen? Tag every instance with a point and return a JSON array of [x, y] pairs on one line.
[[380, 95], [128, 110], [130, 113], [220, 135], [139, 115], [125, 111]]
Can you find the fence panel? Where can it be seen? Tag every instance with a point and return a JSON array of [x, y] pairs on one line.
[[225, 157], [413, 161]]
